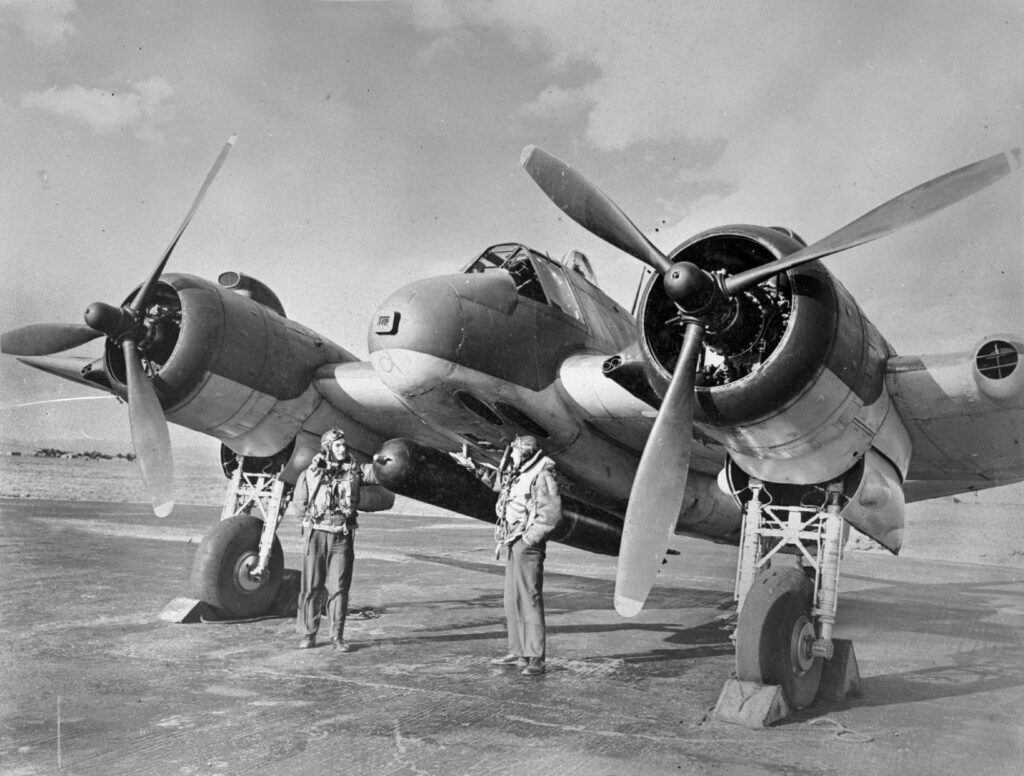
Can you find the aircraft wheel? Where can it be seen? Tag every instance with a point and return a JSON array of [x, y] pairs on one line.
[[220, 571], [774, 635]]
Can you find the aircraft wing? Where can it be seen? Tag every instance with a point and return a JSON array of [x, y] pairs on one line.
[[77, 369], [613, 414], [965, 416], [355, 390]]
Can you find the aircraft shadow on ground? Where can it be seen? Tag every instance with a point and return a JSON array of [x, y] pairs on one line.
[[954, 610], [970, 673], [569, 593], [709, 639], [874, 609], [592, 592], [899, 607]]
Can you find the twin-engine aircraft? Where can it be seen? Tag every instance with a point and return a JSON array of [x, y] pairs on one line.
[[748, 399]]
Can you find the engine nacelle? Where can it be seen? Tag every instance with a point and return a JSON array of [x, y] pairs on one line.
[[227, 364], [793, 383], [873, 500], [422, 473], [252, 288]]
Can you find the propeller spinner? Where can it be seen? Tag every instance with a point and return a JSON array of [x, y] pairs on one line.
[[660, 482], [125, 326]]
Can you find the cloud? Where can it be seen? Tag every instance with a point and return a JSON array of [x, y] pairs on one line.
[[44, 23], [798, 113], [741, 72], [143, 110], [558, 101], [436, 15]]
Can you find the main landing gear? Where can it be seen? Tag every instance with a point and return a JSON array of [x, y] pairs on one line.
[[787, 592], [239, 565]]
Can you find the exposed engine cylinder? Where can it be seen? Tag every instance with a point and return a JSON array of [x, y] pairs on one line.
[[227, 363], [792, 377]]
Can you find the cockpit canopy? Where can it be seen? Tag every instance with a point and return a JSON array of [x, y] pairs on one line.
[[537, 276]]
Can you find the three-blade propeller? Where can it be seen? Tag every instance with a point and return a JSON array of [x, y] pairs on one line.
[[660, 482], [126, 326]]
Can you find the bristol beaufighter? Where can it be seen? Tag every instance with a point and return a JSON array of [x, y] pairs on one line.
[[746, 399]]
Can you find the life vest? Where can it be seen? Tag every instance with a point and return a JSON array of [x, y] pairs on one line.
[[333, 493], [515, 507]]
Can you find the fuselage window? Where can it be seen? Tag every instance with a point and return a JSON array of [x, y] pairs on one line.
[[517, 260], [559, 290], [525, 277], [478, 408], [521, 419]]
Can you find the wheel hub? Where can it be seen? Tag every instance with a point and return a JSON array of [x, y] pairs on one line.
[[243, 578], [801, 654]]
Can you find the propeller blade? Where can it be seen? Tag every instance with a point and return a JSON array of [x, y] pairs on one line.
[[150, 437], [590, 207], [906, 209], [142, 298], [44, 339], [660, 483]]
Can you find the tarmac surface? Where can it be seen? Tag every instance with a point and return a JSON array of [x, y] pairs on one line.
[[94, 682]]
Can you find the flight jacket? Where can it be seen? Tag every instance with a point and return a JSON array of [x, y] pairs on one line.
[[326, 496], [529, 505]]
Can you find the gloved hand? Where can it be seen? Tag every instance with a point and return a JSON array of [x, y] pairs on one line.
[[463, 459]]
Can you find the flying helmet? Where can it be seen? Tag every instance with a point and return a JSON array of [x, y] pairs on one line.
[[527, 443], [328, 438]]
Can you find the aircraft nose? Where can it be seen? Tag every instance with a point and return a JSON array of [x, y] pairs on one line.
[[424, 317], [423, 331]]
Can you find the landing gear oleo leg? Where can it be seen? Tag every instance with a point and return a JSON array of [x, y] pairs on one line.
[[787, 584], [238, 568]]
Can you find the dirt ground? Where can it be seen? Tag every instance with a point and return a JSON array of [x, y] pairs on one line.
[[95, 682]]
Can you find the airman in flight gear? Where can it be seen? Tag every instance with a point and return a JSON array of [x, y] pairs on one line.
[[529, 509], [326, 498]]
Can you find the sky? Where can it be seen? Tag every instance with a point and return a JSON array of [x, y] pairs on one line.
[[379, 142]]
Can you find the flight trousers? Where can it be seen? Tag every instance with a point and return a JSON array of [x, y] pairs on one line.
[[524, 599], [326, 570]]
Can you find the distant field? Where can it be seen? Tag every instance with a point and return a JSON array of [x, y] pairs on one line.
[[987, 527], [84, 479]]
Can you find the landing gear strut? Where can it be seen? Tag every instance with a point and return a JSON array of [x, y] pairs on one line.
[[239, 565], [787, 611]]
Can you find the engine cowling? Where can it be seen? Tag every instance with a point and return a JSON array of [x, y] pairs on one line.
[[792, 379], [227, 364]]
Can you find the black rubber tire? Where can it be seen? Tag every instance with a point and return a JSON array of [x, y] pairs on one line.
[[220, 564], [776, 614]]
